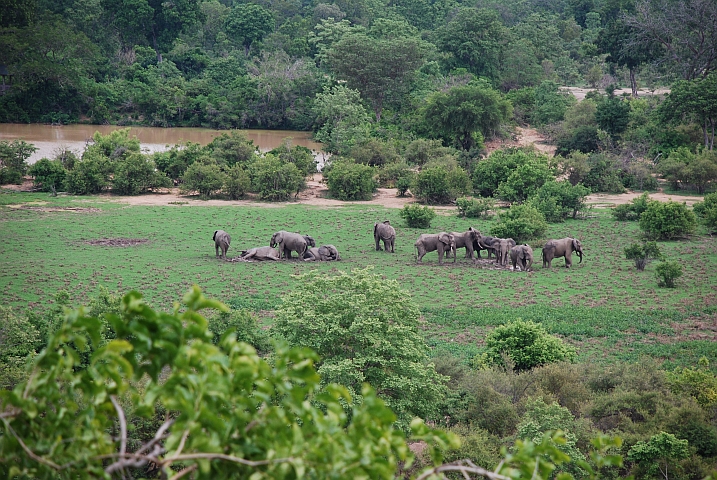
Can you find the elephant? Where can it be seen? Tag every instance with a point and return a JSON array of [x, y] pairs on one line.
[[502, 246], [384, 231], [288, 241], [522, 256], [467, 239], [324, 253], [221, 240], [260, 254], [484, 243], [429, 242], [563, 247]]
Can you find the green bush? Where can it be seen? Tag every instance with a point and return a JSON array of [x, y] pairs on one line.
[[298, 155], [633, 210], [667, 272], [245, 326], [550, 103], [526, 344], [421, 151], [49, 175], [706, 211], [441, 184], [525, 180], [347, 180], [203, 176], [174, 162], [275, 180], [642, 253], [559, 200], [405, 183], [235, 148], [583, 139], [389, 174], [374, 153], [521, 223], [90, 175], [135, 174], [417, 216], [12, 160], [19, 340], [475, 207], [685, 169], [604, 174], [667, 220], [488, 174], [237, 182]]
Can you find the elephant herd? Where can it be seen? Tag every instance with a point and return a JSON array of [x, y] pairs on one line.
[[283, 243]]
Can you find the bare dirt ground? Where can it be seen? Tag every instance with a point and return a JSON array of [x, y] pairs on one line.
[[317, 194], [580, 93]]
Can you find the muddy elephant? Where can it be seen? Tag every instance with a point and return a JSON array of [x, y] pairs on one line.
[[563, 247], [521, 256], [467, 240], [430, 242], [384, 231], [288, 242], [221, 241], [325, 253], [502, 246], [260, 254]]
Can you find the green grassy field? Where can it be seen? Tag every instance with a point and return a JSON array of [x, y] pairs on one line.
[[604, 306]]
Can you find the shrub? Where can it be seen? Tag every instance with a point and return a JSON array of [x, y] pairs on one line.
[[613, 115], [489, 173], [686, 169], [421, 151], [374, 153], [176, 160], [235, 148], [550, 103], [245, 329], [276, 180], [203, 176], [559, 200], [440, 185], [707, 211], [527, 344], [298, 155], [18, 340], [475, 207], [237, 182], [521, 223], [604, 174], [525, 180], [667, 220], [90, 175], [390, 173], [417, 216], [113, 145], [404, 183], [633, 210], [12, 160], [583, 139], [347, 180], [135, 174], [49, 175], [667, 272], [642, 253]]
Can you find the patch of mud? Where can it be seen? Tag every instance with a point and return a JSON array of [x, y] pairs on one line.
[[117, 242], [27, 206]]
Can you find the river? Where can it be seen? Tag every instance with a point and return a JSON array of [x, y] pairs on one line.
[[49, 139]]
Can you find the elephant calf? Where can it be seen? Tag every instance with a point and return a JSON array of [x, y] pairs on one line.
[[430, 242], [260, 254], [522, 256], [325, 253], [384, 231], [221, 241]]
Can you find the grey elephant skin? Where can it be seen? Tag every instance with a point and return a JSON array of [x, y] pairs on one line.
[[221, 241], [502, 246], [260, 254], [467, 240], [325, 253], [484, 243], [289, 241], [522, 256], [563, 247], [431, 242], [384, 231]]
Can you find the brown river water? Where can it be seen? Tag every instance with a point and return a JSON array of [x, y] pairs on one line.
[[49, 139]]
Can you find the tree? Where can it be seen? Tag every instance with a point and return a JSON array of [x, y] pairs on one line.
[[521, 223], [49, 175], [203, 176], [380, 68], [490, 172], [525, 181], [348, 180], [462, 114], [667, 272], [234, 414], [341, 121], [706, 211], [248, 23], [642, 253], [137, 174], [613, 114], [12, 160], [659, 452], [684, 30], [365, 329], [527, 344], [694, 100], [276, 180], [237, 182], [667, 220], [684, 168], [439, 184], [550, 103], [475, 39], [559, 200]]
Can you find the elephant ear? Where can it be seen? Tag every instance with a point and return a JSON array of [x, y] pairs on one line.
[[214, 237], [444, 237], [511, 242], [576, 245]]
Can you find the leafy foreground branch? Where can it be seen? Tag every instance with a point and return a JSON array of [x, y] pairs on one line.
[[215, 411]]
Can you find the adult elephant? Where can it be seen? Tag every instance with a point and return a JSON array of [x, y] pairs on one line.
[[502, 246], [522, 256], [288, 242], [563, 247], [484, 243], [431, 242], [221, 241], [384, 231], [467, 240], [325, 253], [260, 254]]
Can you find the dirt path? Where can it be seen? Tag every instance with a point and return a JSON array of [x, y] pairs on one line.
[[580, 93]]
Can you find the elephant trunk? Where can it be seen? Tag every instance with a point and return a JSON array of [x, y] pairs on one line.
[[580, 254], [530, 264]]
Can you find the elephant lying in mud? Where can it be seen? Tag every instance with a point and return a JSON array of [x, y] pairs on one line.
[[288, 242], [384, 231], [563, 247], [325, 253], [430, 242], [260, 254], [221, 241], [522, 256]]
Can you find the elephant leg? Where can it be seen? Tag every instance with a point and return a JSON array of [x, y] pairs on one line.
[[421, 253], [440, 256], [568, 260], [378, 244]]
